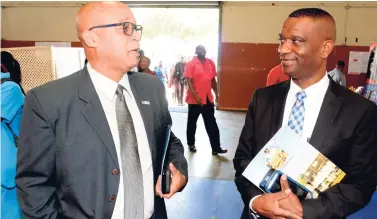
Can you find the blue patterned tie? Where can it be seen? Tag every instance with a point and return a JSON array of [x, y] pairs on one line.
[[296, 119]]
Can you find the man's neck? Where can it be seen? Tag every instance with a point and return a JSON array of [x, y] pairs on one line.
[[202, 59], [113, 74], [304, 83]]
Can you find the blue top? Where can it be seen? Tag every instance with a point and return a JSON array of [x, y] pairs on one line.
[[12, 101]]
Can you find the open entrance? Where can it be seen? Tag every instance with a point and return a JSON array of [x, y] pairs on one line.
[[170, 35]]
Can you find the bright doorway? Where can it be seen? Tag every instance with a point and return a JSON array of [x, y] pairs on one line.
[[172, 33]]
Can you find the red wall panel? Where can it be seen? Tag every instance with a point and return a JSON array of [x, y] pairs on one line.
[[244, 68]]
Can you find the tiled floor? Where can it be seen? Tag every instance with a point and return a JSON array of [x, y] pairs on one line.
[[211, 192]]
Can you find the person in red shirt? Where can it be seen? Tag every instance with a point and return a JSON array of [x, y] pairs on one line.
[[201, 75], [276, 75]]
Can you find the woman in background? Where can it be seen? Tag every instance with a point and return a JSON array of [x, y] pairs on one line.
[[12, 101], [13, 68]]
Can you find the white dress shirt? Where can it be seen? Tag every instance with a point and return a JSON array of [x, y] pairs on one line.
[[312, 103], [106, 90]]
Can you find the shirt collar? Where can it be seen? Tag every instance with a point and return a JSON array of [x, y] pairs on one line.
[[313, 89], [5, 75], [105, 84]]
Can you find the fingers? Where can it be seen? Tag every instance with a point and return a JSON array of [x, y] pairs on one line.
[[286, 214], [282, 194], [284, 183], [158, 187], [177, 181], [172, 168]]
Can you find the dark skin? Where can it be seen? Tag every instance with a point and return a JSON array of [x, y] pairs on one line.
[[201, 54], [305, 46]]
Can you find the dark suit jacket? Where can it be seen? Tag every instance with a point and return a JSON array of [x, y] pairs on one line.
[[67, 156], [345, 132]]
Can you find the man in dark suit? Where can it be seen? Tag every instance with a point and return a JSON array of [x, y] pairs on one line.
[[339, 123], [91, 144]]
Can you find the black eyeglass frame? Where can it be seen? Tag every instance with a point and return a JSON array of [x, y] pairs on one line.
[[124, 25]]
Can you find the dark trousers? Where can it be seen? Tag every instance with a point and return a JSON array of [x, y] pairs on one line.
[[208, 114]]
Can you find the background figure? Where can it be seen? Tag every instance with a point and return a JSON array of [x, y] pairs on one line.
[[13, 68], [179, 80], [171, 85], [161, 73], [276, 75], [337, 74], [141, 54], [201, 79], [144, 64], [91, 143], [12, 101]]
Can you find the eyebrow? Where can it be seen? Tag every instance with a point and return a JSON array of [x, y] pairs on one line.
[[293, 36]]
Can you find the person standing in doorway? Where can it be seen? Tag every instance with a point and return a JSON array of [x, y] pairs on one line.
[[144, 64], [161, 73], [178, 80], [337, 74], [201, 79]]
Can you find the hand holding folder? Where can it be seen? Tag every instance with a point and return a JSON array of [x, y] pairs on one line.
[[170, 180]]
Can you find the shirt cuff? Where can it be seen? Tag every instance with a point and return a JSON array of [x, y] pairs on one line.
[[251, 204]]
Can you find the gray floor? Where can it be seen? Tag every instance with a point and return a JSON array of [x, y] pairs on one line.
[[211, 192]]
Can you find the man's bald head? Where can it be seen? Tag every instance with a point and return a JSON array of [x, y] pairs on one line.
[[107, 33], [98, 13]]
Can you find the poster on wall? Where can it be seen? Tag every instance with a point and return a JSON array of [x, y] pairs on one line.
[[358, 62], [370, 89]]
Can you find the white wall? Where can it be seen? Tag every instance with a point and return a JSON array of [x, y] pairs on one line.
[[39, 23], [251, 22]]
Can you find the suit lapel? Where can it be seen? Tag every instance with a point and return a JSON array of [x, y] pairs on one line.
[[95, 115], [278, 108], [327, 114], [139, 95]]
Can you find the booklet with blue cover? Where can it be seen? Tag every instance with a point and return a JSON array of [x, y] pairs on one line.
[[288, 153]]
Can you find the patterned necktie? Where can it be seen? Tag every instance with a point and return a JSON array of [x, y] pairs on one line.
[[296, 119], [131, 166]]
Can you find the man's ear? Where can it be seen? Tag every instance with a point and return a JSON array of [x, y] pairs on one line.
[[327, 48], [90, 38]]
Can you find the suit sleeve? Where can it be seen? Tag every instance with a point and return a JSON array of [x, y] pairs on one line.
[[35, 178], [245, 153], [175, 153], [357, 188]]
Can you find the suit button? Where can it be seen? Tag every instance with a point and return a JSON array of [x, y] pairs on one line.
[[112, 198], [115, 171]]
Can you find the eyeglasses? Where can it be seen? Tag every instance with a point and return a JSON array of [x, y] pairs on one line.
[[128, 28]]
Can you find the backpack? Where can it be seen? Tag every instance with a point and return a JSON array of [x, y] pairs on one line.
[[15, 137]]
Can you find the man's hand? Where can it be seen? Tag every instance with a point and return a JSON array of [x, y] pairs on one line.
[[291, 203], [178, 180], [268, 206]]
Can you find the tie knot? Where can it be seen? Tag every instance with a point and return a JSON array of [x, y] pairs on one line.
[[119, 90], [301, 95]]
